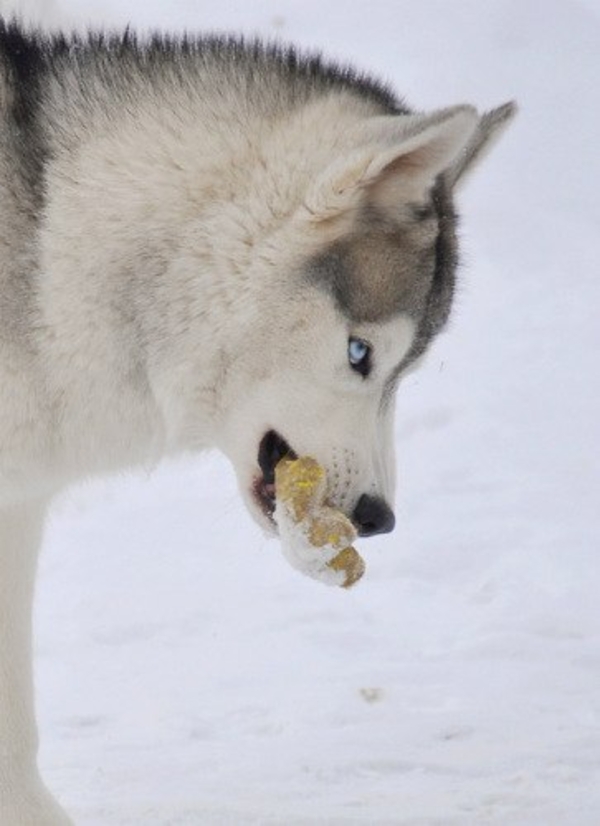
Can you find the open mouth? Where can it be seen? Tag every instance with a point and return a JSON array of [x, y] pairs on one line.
[[272, 449]]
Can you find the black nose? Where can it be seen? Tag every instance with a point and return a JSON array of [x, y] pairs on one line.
[[372, 515]]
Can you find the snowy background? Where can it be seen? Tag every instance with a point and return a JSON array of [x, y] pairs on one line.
[[188, 677]]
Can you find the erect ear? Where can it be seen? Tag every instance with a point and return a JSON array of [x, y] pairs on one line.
[[489, 128], [392, 159]]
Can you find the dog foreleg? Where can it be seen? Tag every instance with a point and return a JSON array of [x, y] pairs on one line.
[[24, 801]]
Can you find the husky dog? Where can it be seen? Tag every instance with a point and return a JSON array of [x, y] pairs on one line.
[[204, 243]]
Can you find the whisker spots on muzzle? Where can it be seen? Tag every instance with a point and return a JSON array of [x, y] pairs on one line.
[[343, 478]]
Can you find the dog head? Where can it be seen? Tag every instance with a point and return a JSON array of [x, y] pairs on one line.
[[343, 297]]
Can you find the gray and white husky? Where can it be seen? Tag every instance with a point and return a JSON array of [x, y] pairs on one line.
[[204, 243]]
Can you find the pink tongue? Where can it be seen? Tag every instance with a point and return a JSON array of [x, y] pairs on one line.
[[270, 489]]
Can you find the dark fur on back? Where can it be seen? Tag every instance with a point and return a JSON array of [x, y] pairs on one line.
[[25, 55], [22, 64]]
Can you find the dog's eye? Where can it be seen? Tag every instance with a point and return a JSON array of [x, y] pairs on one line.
[[359, 356]]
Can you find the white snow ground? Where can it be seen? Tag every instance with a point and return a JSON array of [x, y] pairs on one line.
[[188, 677]]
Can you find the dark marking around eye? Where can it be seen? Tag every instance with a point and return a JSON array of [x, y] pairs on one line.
[[422, 212]]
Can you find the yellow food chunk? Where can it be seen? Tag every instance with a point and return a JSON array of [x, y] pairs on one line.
[[300, 483], [301, 488], [351, 563]]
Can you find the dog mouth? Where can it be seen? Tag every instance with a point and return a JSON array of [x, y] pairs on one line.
[[272, 449]]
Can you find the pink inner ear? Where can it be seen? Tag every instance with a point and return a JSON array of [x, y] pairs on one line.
[[403, 181], [396, 160]]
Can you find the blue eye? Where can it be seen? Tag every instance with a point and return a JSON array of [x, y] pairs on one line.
[[359, 356]]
